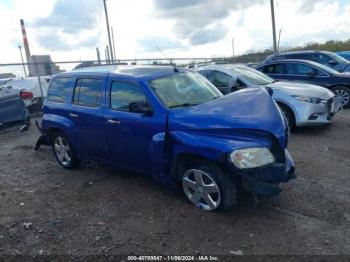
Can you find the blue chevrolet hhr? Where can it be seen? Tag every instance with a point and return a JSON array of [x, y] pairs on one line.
[[171, 124]]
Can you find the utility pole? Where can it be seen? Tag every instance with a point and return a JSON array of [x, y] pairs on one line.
[[279, 40], [24, 68], [108, 31], [108, 56], [115, 57], [273, 26], [98, 55], [233, 50]]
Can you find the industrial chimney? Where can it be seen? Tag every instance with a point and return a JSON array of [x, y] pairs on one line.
[[25, 42]]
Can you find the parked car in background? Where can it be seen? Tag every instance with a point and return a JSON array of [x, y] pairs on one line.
[[329, 59], [172, 124], [344, 54], [302, 104], [4, 80], [12, 109], [310, 72], [30, 89]]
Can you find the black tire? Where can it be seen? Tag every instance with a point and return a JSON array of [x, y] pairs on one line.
[[344, 92], [73, 161], [288, 114], [225, 199]]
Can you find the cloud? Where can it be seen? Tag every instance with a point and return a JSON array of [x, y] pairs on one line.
[[208, 35], [307, 6], [69, 20], [150, 43], [200, 21]]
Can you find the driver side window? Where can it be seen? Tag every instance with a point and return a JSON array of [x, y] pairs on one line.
[[302, 69], [220, 79]]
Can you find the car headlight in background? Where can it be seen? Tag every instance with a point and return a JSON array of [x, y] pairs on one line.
[[314, 100], [251, 157]]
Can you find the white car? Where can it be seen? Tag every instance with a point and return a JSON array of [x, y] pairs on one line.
[[302, 104], [30, 89]]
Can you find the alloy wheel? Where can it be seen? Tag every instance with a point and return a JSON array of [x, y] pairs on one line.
[[343, 96], [62, 151], [201, 189]]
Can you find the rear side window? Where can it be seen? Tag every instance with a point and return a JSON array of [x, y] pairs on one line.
[[88, 92], [274, 69], [124, 93], [59, 89]]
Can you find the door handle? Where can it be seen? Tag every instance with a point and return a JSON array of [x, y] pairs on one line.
[[73, 115], [113, 122]]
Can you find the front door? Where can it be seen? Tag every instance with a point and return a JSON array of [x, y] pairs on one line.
[[134, 139]]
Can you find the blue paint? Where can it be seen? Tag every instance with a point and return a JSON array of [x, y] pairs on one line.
[[153, 144]]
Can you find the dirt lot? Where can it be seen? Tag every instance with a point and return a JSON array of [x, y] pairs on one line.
[[45, 209]]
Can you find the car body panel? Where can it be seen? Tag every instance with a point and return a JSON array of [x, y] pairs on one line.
[[12, 109]]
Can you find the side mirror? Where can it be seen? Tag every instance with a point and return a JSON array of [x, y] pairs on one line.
[[140, 107], [311, 74], [332, 62], [233, 84]]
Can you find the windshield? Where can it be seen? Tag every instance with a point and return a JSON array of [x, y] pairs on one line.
[[338, 58], [325, 68], [253, 76], [184, 89]]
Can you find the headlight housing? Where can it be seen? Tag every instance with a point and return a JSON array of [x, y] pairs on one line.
[[314, 100], [252, 157]]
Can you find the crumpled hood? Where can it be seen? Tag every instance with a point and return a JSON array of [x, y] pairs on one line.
[[251, 108], [300, 89]]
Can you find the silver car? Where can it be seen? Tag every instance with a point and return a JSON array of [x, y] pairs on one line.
[[302, 104]]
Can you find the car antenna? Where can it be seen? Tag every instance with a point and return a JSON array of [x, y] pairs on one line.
[[171, 63]]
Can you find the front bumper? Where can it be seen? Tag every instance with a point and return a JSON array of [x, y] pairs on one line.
[[266, 180], [309, 114]]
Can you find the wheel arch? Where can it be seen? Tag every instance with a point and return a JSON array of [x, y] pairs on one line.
[[290, 109], [183, 160]]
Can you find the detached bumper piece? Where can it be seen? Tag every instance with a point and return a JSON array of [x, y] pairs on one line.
[[265, 181], [43, 139]]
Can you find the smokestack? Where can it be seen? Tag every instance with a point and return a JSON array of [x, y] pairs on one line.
[[25, 41]]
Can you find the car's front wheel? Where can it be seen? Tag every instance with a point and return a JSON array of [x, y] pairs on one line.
[[64, 151], [342, 93], [208, 187]]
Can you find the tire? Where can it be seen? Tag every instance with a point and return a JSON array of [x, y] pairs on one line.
[[64, 151], [343, 95], [288, 114], [207, 186]]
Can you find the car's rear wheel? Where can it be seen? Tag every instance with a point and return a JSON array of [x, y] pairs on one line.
[[64, 151], [342, 93], [208, 187]]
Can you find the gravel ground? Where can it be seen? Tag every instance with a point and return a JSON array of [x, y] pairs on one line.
[[45, 209]]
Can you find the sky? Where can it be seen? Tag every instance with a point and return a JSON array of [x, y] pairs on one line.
[[72, 29]]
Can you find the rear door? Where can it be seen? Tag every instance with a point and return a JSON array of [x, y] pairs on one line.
[[88, 114], [134, 140], [305, 73]]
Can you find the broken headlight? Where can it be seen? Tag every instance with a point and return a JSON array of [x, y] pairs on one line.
[[251, 157]]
